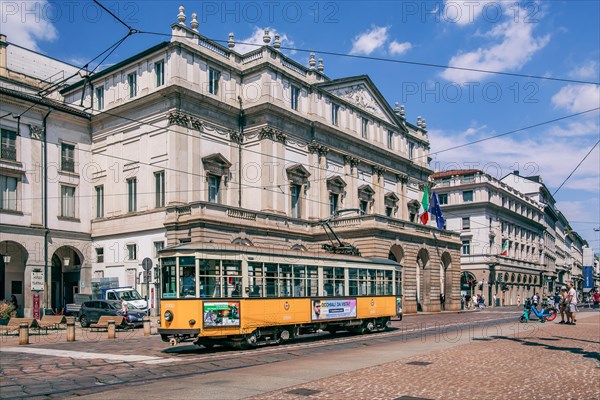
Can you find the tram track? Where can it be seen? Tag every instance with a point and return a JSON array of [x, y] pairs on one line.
[[221, 361]]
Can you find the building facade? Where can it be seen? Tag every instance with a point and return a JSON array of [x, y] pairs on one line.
[[44, 221], [501, 232], [192, 141]]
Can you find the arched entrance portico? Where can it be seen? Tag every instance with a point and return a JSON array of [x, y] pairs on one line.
[[423, 281], [65, 275], [445, 277], [397, 254], [13, 259]]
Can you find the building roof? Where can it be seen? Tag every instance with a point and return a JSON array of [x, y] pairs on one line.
[[42, 101], [454, 172]]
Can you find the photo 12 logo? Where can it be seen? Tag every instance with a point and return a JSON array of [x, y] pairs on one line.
[[71, 11]]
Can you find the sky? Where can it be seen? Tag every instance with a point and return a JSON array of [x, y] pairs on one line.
[[555, 40]]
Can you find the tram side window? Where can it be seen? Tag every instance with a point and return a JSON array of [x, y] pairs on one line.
[[255, 275], [328, 281], [398, 283], [210, 279], [312, 281], [389, 283], [299, 280], [362, 282], [353, 282], [187, 277], [168, 280], [372, 282], [379, 282], [233, 278], [339, 281], [271, 280], [285, 280]]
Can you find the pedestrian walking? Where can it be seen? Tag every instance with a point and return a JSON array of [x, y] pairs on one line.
[[518, 299], [442, 301], [571, 305], [495, 301]]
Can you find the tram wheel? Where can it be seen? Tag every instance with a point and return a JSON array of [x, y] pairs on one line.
[[332, 330]]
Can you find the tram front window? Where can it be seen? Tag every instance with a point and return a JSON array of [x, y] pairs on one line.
[[168, 278], [187, 282]]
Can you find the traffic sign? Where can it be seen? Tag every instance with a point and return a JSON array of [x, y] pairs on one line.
[[147, 264]]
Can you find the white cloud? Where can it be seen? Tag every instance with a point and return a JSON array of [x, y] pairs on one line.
[[575, 129], [255, 40], [553, 158], [577, 98], [396, 48], [369, 41], [26, 29], [467, 12], [588, 70], [515, 46]]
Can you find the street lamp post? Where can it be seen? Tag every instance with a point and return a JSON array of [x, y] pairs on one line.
[[491, 281]]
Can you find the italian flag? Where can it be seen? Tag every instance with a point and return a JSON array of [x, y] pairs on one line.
[[423, 210], [504, 248]]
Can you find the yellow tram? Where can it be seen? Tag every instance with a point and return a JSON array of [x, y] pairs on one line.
[[243, 296]]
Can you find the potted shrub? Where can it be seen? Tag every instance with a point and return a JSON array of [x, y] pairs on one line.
[[7, 310]]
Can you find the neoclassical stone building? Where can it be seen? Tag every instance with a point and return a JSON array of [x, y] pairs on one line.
[[192, 141]]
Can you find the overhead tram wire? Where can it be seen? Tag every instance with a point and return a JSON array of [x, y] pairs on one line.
[[572, 172], [392, 60]]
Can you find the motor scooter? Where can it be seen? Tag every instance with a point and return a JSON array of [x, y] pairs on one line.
[[545, 314]]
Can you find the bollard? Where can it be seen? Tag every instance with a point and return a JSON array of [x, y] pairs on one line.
[[112, 332], [23, 334], [146, 327], [70, 331]]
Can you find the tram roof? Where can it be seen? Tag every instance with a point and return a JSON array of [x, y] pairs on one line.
[[238, 248]]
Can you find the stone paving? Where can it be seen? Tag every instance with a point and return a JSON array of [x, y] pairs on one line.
[[542, 361]]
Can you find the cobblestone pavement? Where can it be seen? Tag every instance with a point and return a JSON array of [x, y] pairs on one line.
[[94, 365], [550, 361]]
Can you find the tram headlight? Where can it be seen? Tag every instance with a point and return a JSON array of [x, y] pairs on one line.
[[168, 316]]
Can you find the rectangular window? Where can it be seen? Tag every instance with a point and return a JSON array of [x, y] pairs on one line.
[[67, 157], [159, 184], [411, 150], [295, 191], [466, 223], [132, 194], [214, 187], [132, 252], [8, 145], [364, 207], [390, 140], [443, 198], [100, 254], [365, 128], [67, 203], [213, 81], [159, 73], [8, 200], [466, 247], [99, 201], [100, 98], [335, 110], [132, 80], [295, 97], [158, 246], [467, 195], [333, 203], [389, 211]]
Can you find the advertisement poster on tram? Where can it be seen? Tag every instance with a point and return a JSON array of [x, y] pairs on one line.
[[333, 308], [221, 313]]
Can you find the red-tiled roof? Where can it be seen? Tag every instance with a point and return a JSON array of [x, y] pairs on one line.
[[453, 172]]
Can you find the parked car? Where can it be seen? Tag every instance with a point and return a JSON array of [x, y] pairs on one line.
[[92, 310]]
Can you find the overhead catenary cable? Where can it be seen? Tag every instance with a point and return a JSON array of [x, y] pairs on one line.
[[572, 172], [397, 61]]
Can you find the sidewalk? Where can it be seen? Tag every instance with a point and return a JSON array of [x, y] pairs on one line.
[[541, 361]]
